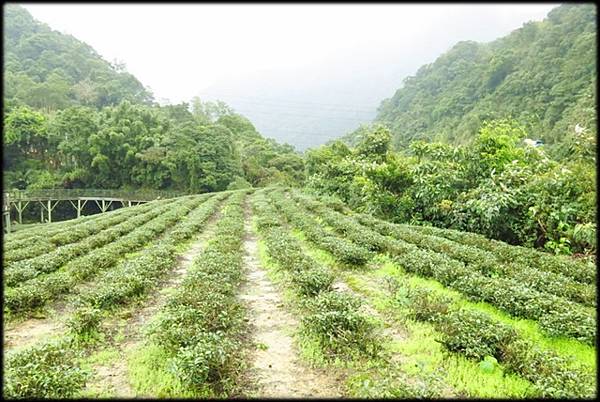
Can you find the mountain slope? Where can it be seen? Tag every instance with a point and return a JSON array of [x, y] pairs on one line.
[[73, 120], [47, 69], [543, 75]]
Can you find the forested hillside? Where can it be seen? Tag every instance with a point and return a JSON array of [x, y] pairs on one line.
[[46, 69], [543, 75], [454, 147], [71, 119]]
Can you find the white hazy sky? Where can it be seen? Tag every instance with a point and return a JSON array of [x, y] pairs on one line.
[[180, 50]]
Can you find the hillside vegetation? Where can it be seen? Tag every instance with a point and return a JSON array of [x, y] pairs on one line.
[[73, 120], [157, 296], [496, 185], [46, 69], [543, 75], [453, 147]]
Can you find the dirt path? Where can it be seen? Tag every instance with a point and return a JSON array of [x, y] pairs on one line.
[[276, 369], [111, 378], [20, 335]]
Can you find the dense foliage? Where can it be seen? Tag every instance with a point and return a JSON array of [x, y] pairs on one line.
[[464, 128], [543, 75], [496, 185], [139, 146], [47, 69], [72, 120]]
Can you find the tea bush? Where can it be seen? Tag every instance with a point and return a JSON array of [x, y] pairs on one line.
[[339, 327], [474, 334], [48, 370]]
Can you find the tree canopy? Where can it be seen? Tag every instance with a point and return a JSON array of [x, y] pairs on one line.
[[74, 120], [46, 69], [542, 75]]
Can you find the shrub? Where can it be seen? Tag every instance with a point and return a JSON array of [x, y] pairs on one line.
[[553, 375], [239, 183], [85, 321], [426, 306], [313, 281], [474, 334], [337, 325], [207, 361], [43, 371]]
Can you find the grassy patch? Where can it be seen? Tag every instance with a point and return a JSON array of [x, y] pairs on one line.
[[528, 329], [104, 356], [149, 374], [423, 357]]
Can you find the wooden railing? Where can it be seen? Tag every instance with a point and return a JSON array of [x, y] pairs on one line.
[[73, 194], [49, 198]]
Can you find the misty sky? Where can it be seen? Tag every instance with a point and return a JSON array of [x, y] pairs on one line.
[[286, 59]]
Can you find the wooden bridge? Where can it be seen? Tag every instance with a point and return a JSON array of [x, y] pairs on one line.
[[49, 199]]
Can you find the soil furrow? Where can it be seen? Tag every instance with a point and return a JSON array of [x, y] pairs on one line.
[[275, 366]]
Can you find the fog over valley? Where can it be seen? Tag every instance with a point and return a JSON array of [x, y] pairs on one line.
[[303, 74]]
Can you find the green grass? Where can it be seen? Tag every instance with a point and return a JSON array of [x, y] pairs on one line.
[[149, 375], [528, 329], [104, 356], [427, 370], [373, 377], [424, 356], [322, 256]]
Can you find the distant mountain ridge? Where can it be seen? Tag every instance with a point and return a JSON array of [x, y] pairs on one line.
[[44, 68], [542, 74]]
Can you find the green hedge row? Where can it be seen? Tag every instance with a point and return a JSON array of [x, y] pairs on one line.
[[135, 276], [488, 264], [45, 244], [477, 335], [201, 325], [29, 236], [580, 270], [48, 370], [19, 272], [309, 277], [342, 224], [332, 319], [344, 250], [516, 296], [555, 315], [37, 291]]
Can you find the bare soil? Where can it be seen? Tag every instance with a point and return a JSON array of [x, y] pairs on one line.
[[275, 366], [29, 332]]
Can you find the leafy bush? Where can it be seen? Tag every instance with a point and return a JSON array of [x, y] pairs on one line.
[[239, 183], [493, 185], [426, 306], [338, 326], [200, 327], [207, 361], [85, 321], [478, 335], [43, 371], [474, 334], [313, 281], [553, 376]]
